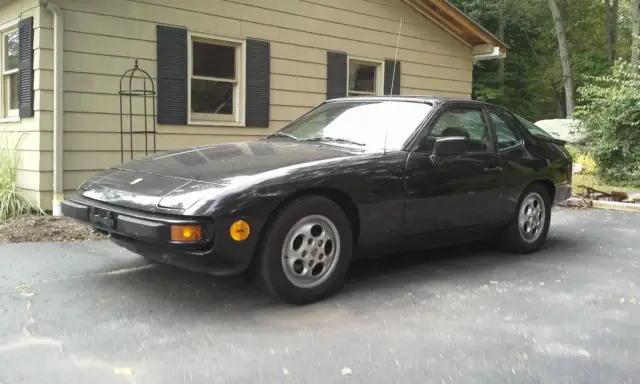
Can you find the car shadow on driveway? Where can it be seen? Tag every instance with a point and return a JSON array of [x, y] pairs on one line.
[[383, 278], [471, 261]]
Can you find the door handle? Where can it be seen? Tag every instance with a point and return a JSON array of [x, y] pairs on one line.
[[493, 169]]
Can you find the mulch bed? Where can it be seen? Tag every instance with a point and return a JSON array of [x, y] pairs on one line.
[[617, 196], [30, 229]]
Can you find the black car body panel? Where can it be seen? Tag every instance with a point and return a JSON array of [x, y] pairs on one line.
[[230, 163], [396, 199]]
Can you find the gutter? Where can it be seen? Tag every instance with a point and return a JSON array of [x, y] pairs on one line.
[[495, 53], [58, 109]]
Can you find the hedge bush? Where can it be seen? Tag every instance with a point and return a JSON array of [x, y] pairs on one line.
[[609, 106]]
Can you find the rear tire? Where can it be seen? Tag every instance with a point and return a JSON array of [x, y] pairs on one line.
[[527, 230], [306, 251]]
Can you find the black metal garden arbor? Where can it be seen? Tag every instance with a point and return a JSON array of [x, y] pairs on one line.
[[137, 83]]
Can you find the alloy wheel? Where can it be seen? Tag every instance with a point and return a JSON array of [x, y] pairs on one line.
[[532, 217], [310, 251]]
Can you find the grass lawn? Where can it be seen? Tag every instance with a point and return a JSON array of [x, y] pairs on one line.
[[589, 178]]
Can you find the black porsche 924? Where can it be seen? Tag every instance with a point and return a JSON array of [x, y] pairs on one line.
[[353, 177]]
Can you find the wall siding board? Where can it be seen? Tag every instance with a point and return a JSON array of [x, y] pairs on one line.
[[24, 134], [102, 40]]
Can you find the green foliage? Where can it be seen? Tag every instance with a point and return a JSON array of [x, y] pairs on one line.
[[12, 203], [532, 82], [581, 156], [610, 110]]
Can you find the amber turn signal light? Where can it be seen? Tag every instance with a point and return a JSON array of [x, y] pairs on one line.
[[239, 230], [186, 233]]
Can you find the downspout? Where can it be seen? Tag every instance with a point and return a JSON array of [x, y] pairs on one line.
[[58, 109]]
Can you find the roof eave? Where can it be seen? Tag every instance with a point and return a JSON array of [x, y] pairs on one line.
[[496, 40], [462, 27]]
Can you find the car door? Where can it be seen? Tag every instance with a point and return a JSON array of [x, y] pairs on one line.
[[515, 160], [458, 191]]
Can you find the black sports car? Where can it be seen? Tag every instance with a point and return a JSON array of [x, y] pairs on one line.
[[353, 177]]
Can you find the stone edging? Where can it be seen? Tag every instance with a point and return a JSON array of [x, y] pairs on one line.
[[577, 202]]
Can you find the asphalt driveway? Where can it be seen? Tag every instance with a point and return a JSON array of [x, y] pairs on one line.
[[92, 313]]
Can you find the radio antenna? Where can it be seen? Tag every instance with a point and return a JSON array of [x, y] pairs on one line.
[[393, 79], [395, 59]]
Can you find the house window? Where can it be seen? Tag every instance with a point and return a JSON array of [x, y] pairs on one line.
[[216, 80], [364, 78], [10, 72]]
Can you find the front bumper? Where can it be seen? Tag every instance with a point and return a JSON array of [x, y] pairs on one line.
[[149, 235]]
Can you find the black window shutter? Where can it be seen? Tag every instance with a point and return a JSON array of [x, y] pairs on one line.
[[172, 75], [389, 78], [336, 75], [258, 72], [25, 92]]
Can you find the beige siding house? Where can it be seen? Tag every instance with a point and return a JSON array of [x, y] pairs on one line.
[[222, 70]]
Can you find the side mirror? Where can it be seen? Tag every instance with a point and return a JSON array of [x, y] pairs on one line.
[[450, 146]]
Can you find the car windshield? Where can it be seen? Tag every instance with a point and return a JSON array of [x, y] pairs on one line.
[[368, 124]]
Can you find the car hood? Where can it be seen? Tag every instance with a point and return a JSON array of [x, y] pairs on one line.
[[180, 178], [222, 164]]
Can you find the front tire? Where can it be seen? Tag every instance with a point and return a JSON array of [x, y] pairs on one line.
[[527, 230], [307, 251]]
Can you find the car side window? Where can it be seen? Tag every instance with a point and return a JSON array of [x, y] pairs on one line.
[[465, 122], [506, 131]]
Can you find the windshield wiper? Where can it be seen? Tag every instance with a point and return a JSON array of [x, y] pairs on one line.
[[336, 139], [285, 134]]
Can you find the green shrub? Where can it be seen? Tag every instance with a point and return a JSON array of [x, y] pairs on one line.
[[581, 156], [12, 203], [610, 109]]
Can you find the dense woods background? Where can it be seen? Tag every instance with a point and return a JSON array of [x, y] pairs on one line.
[[576, 58], [530, 80]]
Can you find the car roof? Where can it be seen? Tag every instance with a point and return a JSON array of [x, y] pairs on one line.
[[413, 98]]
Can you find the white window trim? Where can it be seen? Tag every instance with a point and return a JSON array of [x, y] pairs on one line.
[[239, 96], [13, 115], [379, 64]]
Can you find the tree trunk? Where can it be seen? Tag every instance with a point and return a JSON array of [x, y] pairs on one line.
[[563, 47], [611, 22], [559, 104], [501, 61], [635, 30]]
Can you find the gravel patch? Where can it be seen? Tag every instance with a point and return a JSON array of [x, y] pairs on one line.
[[29, 229]]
